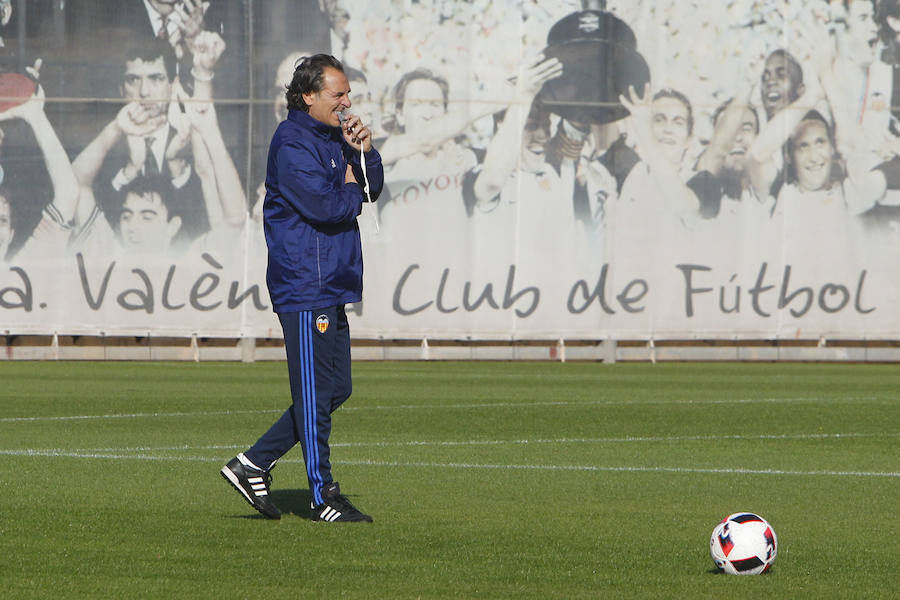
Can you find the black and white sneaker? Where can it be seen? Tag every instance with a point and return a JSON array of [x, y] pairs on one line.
[[253, 484], [337, 507]]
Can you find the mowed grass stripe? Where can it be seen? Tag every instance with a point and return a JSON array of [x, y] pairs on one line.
[[457, 465], [458, 406], [450, 443]]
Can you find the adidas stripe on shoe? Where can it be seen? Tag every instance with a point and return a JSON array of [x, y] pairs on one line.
[[337, 508], [329, 514], [253, 486]]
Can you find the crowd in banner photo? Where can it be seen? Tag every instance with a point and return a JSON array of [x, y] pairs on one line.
[[550, 166]]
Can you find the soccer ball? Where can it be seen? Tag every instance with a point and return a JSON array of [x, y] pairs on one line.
[[743, 544]]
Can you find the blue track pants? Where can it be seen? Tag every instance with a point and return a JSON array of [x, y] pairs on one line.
[[318, 358]]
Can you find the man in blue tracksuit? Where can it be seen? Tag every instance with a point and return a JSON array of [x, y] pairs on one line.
[[314, 191]]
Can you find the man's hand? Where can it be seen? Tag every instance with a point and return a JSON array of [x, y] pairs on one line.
[[192, 13], [357, 134], [641, 109], [5, 12], [28, 110], [206, 47], [134, 120], [35, 70], [34, 106], [188, 15], [532, 78]]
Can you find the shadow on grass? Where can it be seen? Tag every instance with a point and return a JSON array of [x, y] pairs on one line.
[[289, 502], [294, 502], [718, 571]]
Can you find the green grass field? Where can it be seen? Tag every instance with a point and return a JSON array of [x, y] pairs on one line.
[[486, 480]]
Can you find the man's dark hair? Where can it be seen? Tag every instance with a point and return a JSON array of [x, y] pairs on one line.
[[887, 9], [670, 93], [400, 88], [149, 50], [309, 77], [152, 185]]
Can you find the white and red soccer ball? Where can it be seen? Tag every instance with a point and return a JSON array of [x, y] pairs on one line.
[[743, 544]]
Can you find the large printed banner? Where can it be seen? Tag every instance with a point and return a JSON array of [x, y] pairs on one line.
[[709, 169]]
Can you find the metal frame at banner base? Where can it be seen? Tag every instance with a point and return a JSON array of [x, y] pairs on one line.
[[248, 349]]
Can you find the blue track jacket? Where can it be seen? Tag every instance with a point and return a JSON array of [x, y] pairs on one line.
[[315, 254]]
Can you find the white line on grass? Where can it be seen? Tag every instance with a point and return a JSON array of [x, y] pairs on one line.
[[216, 413], [452, 465], [613, 440], [454, 406], [610, 403], [622, 469], [456, 443]]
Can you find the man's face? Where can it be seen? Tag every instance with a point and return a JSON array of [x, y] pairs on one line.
[[148, 83], [334, 97], [422, 102], [862, 32], [737, 156], [778, 87], [812, 155], [6, 230], [670, 127], [144, 224]]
